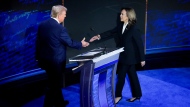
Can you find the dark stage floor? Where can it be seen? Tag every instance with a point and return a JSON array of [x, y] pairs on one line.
[[168, 87]]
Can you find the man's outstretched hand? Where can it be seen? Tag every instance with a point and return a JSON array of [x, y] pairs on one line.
[[84, 43]]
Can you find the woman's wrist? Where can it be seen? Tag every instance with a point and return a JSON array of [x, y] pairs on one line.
[[98, 36]]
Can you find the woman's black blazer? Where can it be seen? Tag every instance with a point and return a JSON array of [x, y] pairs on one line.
[[131, 41]]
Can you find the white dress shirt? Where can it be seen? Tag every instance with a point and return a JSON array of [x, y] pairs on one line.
[[124, 26]]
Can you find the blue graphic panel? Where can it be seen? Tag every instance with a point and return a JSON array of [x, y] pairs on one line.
[[167, 29], [18, 28], [168, 26]]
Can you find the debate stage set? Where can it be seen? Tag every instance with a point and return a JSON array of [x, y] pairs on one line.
[[90, 77]]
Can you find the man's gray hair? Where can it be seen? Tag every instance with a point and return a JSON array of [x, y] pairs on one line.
[[57, 9]]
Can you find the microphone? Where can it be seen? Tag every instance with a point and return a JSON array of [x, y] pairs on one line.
[[104, 51]]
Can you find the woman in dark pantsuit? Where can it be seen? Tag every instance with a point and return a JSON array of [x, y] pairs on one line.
[[128, 36]]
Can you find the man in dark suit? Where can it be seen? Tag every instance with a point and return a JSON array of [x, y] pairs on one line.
[[52, 40], [128, 36]]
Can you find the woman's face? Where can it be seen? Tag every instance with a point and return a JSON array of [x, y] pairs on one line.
[[123, 16]]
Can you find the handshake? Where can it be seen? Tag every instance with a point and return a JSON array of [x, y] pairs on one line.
[[85, 44]]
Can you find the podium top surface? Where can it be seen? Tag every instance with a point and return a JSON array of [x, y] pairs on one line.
[[96, 54]]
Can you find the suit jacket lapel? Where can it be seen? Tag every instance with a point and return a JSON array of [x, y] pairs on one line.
[[121, 28], [125, 29]]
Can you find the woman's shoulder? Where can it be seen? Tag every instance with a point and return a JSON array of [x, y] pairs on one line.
[[134, 27]]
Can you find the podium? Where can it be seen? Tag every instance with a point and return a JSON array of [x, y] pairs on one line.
[[97, 76]]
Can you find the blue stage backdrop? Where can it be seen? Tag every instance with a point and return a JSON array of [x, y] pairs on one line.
[[168, 25], [19, 20]]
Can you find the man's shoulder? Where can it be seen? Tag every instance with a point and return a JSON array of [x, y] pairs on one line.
[[50, 20]]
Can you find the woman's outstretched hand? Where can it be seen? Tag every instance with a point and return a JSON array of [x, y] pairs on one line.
[[97, 37]]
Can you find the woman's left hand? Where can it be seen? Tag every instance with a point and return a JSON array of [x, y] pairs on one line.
[[142, 63]]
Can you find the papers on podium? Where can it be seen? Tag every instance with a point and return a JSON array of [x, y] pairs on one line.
[[93, 54], [86, 56]]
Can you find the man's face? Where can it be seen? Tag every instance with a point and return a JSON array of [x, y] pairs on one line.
[[62, 16]]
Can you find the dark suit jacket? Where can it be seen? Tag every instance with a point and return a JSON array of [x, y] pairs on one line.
[[131, 41], [52, 40]]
